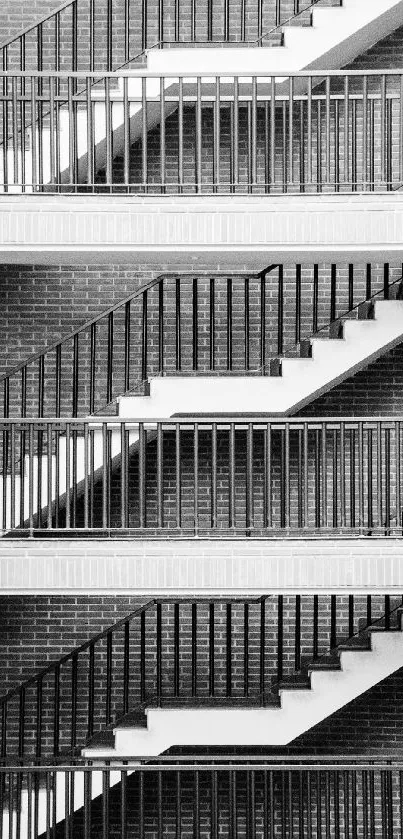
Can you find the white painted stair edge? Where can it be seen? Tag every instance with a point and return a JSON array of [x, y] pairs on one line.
[[302, 379], [300, 709]]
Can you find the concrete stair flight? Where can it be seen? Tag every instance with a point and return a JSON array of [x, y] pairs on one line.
[[354, 669], [293, 383]]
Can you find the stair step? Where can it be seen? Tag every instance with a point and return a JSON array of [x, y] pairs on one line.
[[366, 310], [352, 648], [102, 739]]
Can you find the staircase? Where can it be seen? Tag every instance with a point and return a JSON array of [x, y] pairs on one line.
[[325, 362], [247, 691]]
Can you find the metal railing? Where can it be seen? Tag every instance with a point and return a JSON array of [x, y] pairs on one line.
[[134, 132], [191, 652], [201, 476], [89, 35], [334, 797], [215, 323]]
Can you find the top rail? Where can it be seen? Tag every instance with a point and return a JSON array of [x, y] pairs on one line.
[[280, 75]]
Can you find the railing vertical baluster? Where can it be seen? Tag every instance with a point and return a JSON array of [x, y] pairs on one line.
[[91, 691], [21, 723], [351, 615], [342, 476], [39, 718], [160, 476], [253, 135], [350, 287], [12, 477], [127, 346], [195, 325], [126, 667], [144, 134], [162, 134], [229, 323], [267, 477], [280, 311], [370, 517], [211, 650], [286, 476], [364, 163], [176, 649], [226, 20], [180, 135], [231, 476], [193, 21], [144, 25], [379, 476], [386, 281], [124, 476], [126, 133], [142, 656], [387, 479], [31, 480], [333, 621], [273, 131], [291, 132], [315, 298], [144, 335], [105, 476], [297, 637], [306, 476], [212, 324], [49, 456], [328, 135], [387, 612], [194, 649], [198, 139], [346, 174], [73, 707], [214, 517], [178, 330], [309, 132], [246, 649], [369, 610], [178, 476], [368, 289], [108, 693], [196, 478], [383, 143], [263, 324], [398, 468], [142, 475], [161, 326], [158, 641], [216, 136], [246, 323], [75, 377], [228, 650], [235, 137], [262, 657], [249, 480], [56, 710], [315, 645], [279, 637], [333, 292], [335, 478], [298, 272]]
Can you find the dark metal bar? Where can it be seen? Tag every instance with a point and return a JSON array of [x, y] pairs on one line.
[[297, 642], [196, 478], [263, 324], [229, 323], [249, 479], [195, 325], [126, 667], [214, 516], [178, 331], [194, 649], [160, 476], [91, 691], [246, 649], [280, 311], [176, 648], [333, 292], [280, 632], [315, 646], [127, 346], [246, 324], [159, 652], [211, 650], [108, 695], [231, 476], [228, 650], [298, 304], [212, 324], [161, 326], [144, 342]]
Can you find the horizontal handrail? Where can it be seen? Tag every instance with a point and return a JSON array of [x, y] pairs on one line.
[[288, 763], [281, 75]]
